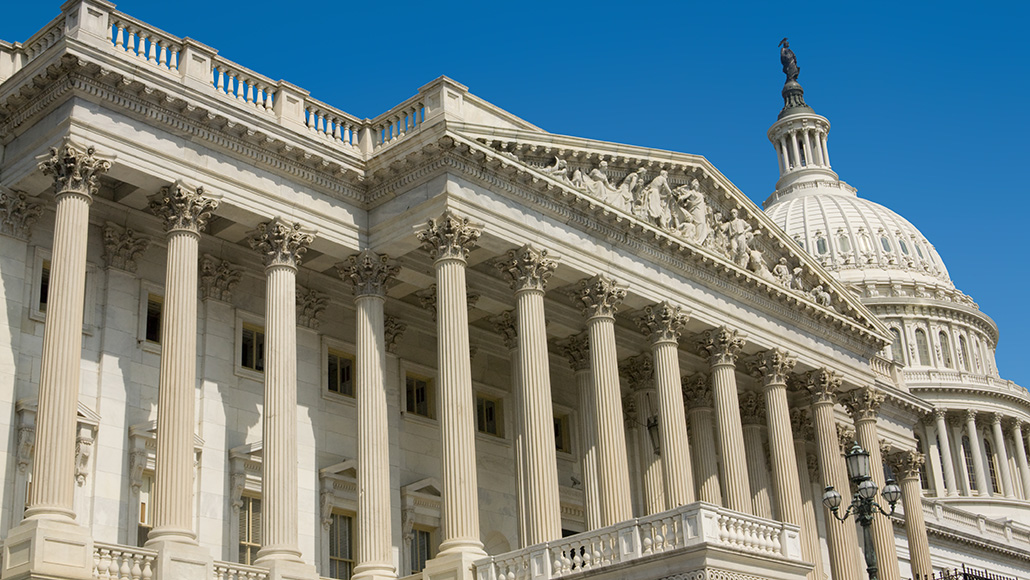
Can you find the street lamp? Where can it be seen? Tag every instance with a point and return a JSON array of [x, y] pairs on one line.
[[862, 504], [652, 432]]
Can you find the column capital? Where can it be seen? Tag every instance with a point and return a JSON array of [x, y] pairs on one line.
[[393, 329], [939, 413], [773, 366], [752, 408], [182, 208], [845, 437], [801, 425], [863, 403], [449, 237], [281, 243], [996, 418], [218, 278], [929, 419], [576, 348], [823, 384], [506, 325], [122, 247], [1017, 425], [638, 371], [368, 272], [527, 268], [18, 213], [970, 415], [662, 322], [721, 345], [74, 169], [599, 296], [697, 390], [907, 463]]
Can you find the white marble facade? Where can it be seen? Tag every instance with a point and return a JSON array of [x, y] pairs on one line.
[[446, 342]]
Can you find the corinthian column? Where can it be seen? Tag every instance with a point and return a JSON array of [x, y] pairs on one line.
[[807, 472], [697, 396], [939, 416], [281, 245], [823, 385], [369, 273], [185, 212], [721, 346], [577, 349], [448, 240], [976, 448], [506, 324], [773, 366], [527, 270], [1024, 470], [753, 416], [1003, 456], [907, 465], [600, 297], [75, 176], [864, 405], [663, 323], [641, 413]]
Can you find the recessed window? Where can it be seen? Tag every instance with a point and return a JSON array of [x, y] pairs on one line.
[[44, 286], [885, 243], [250, 529], [146, 517], [421, 548], [252, 347], [967, 451], [919, 251], [964, 350], [903, 246], [152, 332], [897, 347], [489, 415], [341, 546], [820, 246], [340, 373], [922, 347], [992, 466], [945, 349], [562, 442], [844, 243], [419, 396]]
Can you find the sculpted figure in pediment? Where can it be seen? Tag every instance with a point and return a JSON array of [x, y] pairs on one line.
[[690, 212], [783, 274], [655, 197], [755, 258], [559, 170], [596, 184], [736, 231], [630, 190]]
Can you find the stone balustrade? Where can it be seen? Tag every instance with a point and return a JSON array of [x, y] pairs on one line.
[[692, 526], [332, 124], [234, 571], [919, 378], [938, 514], [144, 42], [397, 122], [122, 562]]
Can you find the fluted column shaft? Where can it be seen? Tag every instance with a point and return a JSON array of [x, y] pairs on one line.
[[906, 466], [449, 240], [946, 456], [664, 322], [757, 471], [185, 213], [976, 448], [810, 548], [773, 366], [650, 462], [507, 325], [369, 273], [577, 349], [697, 391], [1024, 469], [864, 405], [722, 346], [1003, 457], [841, 537], [53, 460]]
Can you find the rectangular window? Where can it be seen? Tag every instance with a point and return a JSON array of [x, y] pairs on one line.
[[252, 345], [44, 286], [155, 304], [561, 434], [341, 546], [145, 522], [340, 372], [421, 549], [250, 529], [488, 415], [419, 395]]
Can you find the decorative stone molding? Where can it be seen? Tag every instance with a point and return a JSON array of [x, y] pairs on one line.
[[26, 442], [599, 296], [907, 464], [83, 454], [752, 408], [182, 207], [507, 326], [122, 247], [311, 304], [449, 237], [74, 170], [813, 466], [662, 322], [576, 348], [427, 300], [137, 465], [393, 330], [697, 390], [773, 366], [218, 278], [845, 437], [368, 272], [863, 403], [527, 268], [339, 489], [801, 425], [823, 384], [720, 346], [280, 243], [629, 411], [18, 214], [638, 371]]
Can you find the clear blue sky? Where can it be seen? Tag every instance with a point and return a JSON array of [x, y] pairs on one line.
[[928, 101]]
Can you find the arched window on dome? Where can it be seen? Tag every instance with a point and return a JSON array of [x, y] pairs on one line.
[[886, 244], [992, 465], [922, 347], [945, 349], [976, 356], [844, 243], [964, 351], [903, 246], [897, 347], [967, 451], [820, 246], [802, 152]]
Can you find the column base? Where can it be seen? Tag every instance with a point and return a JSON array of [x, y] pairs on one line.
[[182, 560], [375, 572], [452, 566], [42, 548], [290, 570]]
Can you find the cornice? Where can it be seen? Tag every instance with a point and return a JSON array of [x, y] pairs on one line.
[[964, 538], [974, 391], [907, 306]]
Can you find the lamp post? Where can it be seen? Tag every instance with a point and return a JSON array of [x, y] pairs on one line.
[[862, 503]]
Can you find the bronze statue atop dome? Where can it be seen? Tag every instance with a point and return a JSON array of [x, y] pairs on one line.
[[789, 61]]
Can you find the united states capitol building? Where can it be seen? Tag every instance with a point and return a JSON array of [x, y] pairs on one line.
[[249, 336]]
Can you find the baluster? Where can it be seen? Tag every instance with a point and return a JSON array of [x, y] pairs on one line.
[[130, 43], [250, 92], [141, 51], [104, 567], [162, 54], [137, 568], [237, 79], [148, 571], [311, 118], [336, 129], [153, 51], [174, 64], [219, 81], [123, 570]]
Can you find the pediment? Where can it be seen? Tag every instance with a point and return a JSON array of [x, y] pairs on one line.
[[148, 431], [345, 470], [84, 414], [428, 487]]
